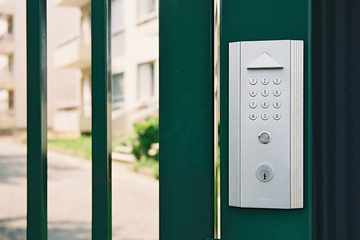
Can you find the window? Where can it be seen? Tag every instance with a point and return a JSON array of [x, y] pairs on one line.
[[117, 28], [11, 63], [10, 25], [117, 16], [86, 95], [11, 100], [146, 9], [117, 90], [146, 80], [4, 101]]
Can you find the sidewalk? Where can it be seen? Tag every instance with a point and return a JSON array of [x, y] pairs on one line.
[[134, 201]]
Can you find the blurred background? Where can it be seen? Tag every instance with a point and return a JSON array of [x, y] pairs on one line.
[[135, 98]]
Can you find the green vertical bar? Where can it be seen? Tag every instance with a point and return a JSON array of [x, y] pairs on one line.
[[186, 120], [36, 120], [101, 119], [243, 20]]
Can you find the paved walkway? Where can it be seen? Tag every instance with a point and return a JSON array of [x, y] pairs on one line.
[[135, 198]]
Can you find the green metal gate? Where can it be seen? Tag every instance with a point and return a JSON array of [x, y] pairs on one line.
[[189, 34], [266, 20], [37, 122], [186, 117], [187, 30]]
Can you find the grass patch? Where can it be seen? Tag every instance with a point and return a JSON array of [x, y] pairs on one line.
[[80, 147], [149, 166]]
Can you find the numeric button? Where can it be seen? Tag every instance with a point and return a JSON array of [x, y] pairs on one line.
[[252, 104], [277, 80], [277, 104], [265, 116], [253, 93], [264, 80], [265, 93], [253, 81], [265, 104], [277, 116], [277, 92]]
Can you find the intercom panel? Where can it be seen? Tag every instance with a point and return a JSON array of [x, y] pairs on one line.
[[266, 124]]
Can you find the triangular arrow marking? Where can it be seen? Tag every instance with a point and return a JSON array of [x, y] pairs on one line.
[[264, 61]]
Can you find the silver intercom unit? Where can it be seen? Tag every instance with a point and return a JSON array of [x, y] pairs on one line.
[[266, 124]]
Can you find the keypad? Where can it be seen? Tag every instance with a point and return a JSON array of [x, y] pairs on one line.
[[268, 99]]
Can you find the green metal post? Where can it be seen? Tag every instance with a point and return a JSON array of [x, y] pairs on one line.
[[101, 119], [186, 120], [36, 120], [243, 20]]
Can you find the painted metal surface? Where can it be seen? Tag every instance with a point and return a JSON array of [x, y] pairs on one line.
[[101, 119], [186, 120], [36, 120], [265, 20], [336, 95]]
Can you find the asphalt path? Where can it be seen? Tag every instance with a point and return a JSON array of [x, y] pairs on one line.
[[135, 198]]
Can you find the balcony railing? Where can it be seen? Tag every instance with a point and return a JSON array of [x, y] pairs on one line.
[[79, 37], [71, 3], [74, 51]]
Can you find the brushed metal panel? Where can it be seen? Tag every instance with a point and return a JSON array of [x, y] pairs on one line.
[[284, 152]]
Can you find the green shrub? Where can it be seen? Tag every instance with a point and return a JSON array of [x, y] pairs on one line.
[[147, 134]]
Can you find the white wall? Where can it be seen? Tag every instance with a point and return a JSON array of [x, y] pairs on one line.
[[141, 46], [63, 85], [20, 63]]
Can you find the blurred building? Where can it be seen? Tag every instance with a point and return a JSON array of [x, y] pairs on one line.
[[134, 64], [62, 83], [7, 83]]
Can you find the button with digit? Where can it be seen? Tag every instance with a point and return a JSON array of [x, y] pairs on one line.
[[253, 81], [265, 116], [277, 92], [253, 93], [265, 80], [277, 80], [277, 116], [252, 116], [277, 104], [264, 92], [265, 104], [253, 104]]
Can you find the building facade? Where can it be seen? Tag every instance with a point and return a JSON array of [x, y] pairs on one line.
[[7, 83], [134, 53], [134, 64]]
